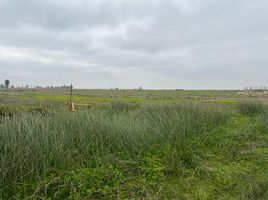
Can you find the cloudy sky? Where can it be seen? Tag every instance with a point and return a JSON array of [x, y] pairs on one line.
[[190, 44]]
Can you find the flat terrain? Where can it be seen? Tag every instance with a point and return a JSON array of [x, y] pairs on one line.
[[133, 144], [46, 97]]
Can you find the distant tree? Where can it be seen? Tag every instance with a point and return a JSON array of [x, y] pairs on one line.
[[7, 82]]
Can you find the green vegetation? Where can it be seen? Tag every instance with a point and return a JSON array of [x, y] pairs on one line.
[[58, 96], [251, 108], [183, 148]]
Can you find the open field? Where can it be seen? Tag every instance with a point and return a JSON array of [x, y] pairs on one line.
[[58, 96], [131, 144]]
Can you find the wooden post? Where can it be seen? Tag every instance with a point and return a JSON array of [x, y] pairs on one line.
[[71, 93], [71, 98]]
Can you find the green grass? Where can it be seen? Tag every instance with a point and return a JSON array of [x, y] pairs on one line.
[[34, 146], [226, 102], [235, 157], [139, 150], [59, 96], [251, 108]]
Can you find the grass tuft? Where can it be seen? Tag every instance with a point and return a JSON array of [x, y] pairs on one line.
[[250, 108]]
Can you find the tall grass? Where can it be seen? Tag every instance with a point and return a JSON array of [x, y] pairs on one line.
[[250, 108], [262, 119], [35, 146]]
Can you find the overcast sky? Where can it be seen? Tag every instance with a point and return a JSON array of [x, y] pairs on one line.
[[190, 44]]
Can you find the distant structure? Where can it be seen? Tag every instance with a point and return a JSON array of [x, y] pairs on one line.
[[256, 89]]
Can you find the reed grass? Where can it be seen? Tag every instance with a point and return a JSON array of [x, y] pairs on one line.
[[34, 146]]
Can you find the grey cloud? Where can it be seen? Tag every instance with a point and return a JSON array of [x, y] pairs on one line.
[[51, 15], [215, 22], [156, 43]]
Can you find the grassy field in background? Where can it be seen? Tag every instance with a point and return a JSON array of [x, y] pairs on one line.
[[59, 96], [131, 144]]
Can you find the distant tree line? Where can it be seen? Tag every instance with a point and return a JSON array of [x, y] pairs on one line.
[[6, 85]]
